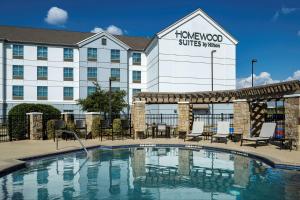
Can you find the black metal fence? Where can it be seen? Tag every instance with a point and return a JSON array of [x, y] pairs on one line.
[[14, 127], [169, 119]]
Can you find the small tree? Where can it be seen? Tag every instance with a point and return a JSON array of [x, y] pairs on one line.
[[99, 101]]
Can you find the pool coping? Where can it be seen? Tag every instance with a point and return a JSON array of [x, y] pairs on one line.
[[19, 163]]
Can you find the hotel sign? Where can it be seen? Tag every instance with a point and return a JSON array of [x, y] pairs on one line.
[[197, 39]]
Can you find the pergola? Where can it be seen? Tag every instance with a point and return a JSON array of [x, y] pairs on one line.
[[249, 106], [259, 93]]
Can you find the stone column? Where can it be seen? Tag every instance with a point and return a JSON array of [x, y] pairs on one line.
[[292, 117], [68, 117], [89, 117], [35, 125], [138, 117], [241, 117], [184, 116]]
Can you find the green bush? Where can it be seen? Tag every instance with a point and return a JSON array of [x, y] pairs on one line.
[[50, 129], [117, 125], [96, 127], [18, 120]]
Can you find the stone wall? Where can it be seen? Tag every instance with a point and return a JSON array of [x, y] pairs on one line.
[[292, 118], [241, 117], [89, 117], [138, 117], [35, 125], [184, 116]]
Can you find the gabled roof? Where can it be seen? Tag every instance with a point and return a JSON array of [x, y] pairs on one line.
[[61, 37], [191, 16], [101, 34]]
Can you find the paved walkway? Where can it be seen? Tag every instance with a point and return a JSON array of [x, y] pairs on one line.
[[12, 151]]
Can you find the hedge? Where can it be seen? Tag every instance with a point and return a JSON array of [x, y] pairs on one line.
[[17, 117]]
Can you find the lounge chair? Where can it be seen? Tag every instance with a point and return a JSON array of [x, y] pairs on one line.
[[197, 130], [222, 131], [266, 133]]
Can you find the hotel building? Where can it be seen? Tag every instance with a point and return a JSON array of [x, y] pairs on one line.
[[58, 67]]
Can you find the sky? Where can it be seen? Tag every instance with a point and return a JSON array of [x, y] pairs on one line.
[[267, 30]]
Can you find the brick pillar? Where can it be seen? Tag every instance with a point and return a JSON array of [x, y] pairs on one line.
[[35, 125], [89, 117], [292, 117], [68, 117], [138, 117], [184, 116], [241, 116]]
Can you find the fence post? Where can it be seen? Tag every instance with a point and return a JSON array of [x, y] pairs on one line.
[[161, 118], [10, 128]]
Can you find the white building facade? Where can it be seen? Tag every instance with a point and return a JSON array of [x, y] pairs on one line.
[[59, 67]]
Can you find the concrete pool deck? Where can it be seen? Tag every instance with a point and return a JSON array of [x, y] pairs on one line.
[[12, 153]]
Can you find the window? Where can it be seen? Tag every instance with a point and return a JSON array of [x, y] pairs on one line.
[[136, 58], [68, 54], [18, 71], [103, 41], [68, 93], [68, 74], [42, 73], [92, 54], [115, 56], [42, 92], [92, 73], [91, 90], [18, 92], [115, 73], [18, 51], [135, 91], [114, 89], [42, 53], [136, 76]]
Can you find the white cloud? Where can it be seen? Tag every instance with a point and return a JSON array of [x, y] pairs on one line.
[[112, 29], [56, 16], [263, 78], [288, 10], [296, 76], [284, 11]]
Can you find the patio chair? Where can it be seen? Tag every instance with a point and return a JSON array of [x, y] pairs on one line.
[[197, 130], [162, 128], [60, 130], [82, 129], [222, 132], [266, 133]]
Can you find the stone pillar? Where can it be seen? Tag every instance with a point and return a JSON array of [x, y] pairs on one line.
[[35, 125], [292, 117], [184, 116], [68, 117], [138, 117], [241, 117], [89, 117]]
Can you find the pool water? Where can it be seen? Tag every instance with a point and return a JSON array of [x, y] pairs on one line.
[[150, 173]]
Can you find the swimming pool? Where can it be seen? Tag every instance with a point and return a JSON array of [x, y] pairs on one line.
[[150, 173]]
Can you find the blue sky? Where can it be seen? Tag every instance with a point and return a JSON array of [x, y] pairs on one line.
[[268, 30]]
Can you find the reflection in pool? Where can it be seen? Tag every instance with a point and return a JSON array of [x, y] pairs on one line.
[[150, 173]]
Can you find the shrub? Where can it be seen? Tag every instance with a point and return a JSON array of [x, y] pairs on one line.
[[117, 125], [18, 121], [96, 127]]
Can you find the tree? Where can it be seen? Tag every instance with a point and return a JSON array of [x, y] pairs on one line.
[[99, 101]]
